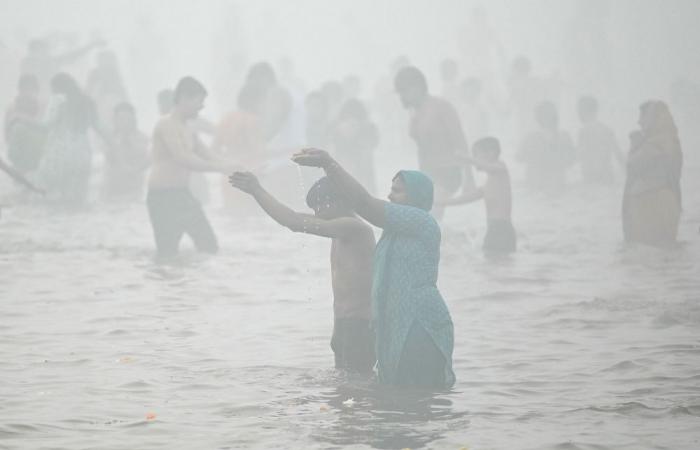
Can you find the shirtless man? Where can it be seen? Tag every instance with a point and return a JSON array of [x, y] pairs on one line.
[[352, 249], [436, 129], [496, 193], [177, 152]]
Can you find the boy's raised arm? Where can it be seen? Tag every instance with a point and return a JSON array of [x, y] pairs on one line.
[[287, 217]]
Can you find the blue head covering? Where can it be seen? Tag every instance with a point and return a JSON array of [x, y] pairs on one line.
[[419, 187]]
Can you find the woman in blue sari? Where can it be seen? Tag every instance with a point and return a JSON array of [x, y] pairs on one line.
[[414, 331]]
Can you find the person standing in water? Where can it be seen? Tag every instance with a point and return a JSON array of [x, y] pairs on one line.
[[596, 147], [355, 139], [436, 129], [548, 152], [351, 262], [413, 327], [126, 160], [496, 192], [651, 206], [25, 133], [177, 153], [66, 166]]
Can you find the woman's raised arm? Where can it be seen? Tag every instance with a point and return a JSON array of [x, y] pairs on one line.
[[369, 208]]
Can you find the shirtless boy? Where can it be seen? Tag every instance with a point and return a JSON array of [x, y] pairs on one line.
[[352, 249], [496, 192], [177, 152]]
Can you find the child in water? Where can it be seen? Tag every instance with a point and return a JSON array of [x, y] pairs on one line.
[[352, 250], [496, 192]]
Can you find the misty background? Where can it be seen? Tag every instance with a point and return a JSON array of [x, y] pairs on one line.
[[575, 343]]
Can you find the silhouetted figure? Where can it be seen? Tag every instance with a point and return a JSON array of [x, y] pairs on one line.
[[355, 139], [596, 147], [105, 84], [277, 103], [526, 92], [496, 192], [66, 166], [333, 91], [352, 249], [450, 85], [317, 120], [127, 156], [390, 115], [43, 65], [436, 129], [25, 132], [293, 133], [352, 87], [548, 152], [177, 153], [414, 330], [651, 206]]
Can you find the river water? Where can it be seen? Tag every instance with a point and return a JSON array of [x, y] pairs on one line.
[[575, 342]]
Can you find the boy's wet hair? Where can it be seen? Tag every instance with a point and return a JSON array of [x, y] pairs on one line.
[[325, 193], [488, 144], [188, 87]]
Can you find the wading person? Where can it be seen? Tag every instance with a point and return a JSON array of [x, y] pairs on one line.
[[177, 152], [351, 262], [413, 327]]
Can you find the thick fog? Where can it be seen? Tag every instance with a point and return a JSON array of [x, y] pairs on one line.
[[394, 224]]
